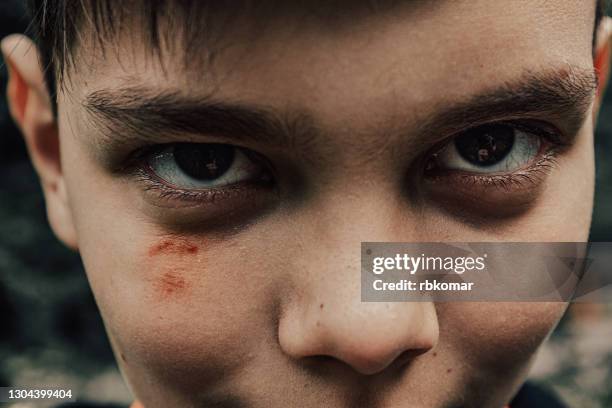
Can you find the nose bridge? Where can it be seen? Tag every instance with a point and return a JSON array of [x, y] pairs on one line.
[[347, 213], [327, 316]]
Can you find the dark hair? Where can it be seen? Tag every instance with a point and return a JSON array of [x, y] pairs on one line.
[[56, 24]]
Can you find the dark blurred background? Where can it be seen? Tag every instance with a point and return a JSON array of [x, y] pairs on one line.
[[51, 332]]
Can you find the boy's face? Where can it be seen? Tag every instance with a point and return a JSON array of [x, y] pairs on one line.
[[231, 275]]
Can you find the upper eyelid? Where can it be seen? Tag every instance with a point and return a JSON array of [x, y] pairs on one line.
[[537, 127], [540, 128]]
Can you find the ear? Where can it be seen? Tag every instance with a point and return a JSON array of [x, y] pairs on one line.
[[30, 106], [602, 59]]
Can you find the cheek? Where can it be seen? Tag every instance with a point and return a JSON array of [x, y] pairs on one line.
[[567, 204], [498, 337], [176, 305], [172, 303]]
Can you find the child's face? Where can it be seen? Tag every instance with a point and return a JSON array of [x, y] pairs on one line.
[[239, 282]]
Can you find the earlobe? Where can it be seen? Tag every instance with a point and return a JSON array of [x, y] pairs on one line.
[[31, 108]]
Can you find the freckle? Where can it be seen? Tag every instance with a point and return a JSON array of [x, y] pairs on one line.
[[450, 370], [321, 306], [435, 354]]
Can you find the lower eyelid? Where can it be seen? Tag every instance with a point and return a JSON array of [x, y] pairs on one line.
[[490, 195], [152, 184], [534, 172], [228, 212]]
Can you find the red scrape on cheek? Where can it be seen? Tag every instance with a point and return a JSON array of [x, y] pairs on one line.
[[171, 283], [169, 268], [177, 247]]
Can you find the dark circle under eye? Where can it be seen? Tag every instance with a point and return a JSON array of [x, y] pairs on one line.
[[486, 145], [204, 161]]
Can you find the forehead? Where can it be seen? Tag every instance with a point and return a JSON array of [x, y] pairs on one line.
[[293, 54]]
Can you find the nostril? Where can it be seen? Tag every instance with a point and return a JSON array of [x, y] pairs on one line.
[[321, 360], [323, 365], [407, 356]]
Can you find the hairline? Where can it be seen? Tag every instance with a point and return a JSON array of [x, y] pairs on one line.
[[57, 48]]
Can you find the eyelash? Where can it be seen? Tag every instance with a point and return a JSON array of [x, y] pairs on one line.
[[531, 175], [151, 183]]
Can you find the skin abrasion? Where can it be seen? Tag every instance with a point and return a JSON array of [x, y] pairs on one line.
[[173, 247], [171, 284], [168, 256]]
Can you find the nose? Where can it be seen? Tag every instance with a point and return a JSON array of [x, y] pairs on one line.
[[324, 315], [368, 337]]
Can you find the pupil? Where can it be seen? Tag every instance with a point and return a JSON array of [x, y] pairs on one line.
[[486, 145], [205, 162]]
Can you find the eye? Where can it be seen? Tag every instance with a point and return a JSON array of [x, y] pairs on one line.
[[494, 148], [493, 170], [203, 166]]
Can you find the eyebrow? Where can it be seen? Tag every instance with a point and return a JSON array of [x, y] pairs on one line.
[[144, 115], [564, 94]]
